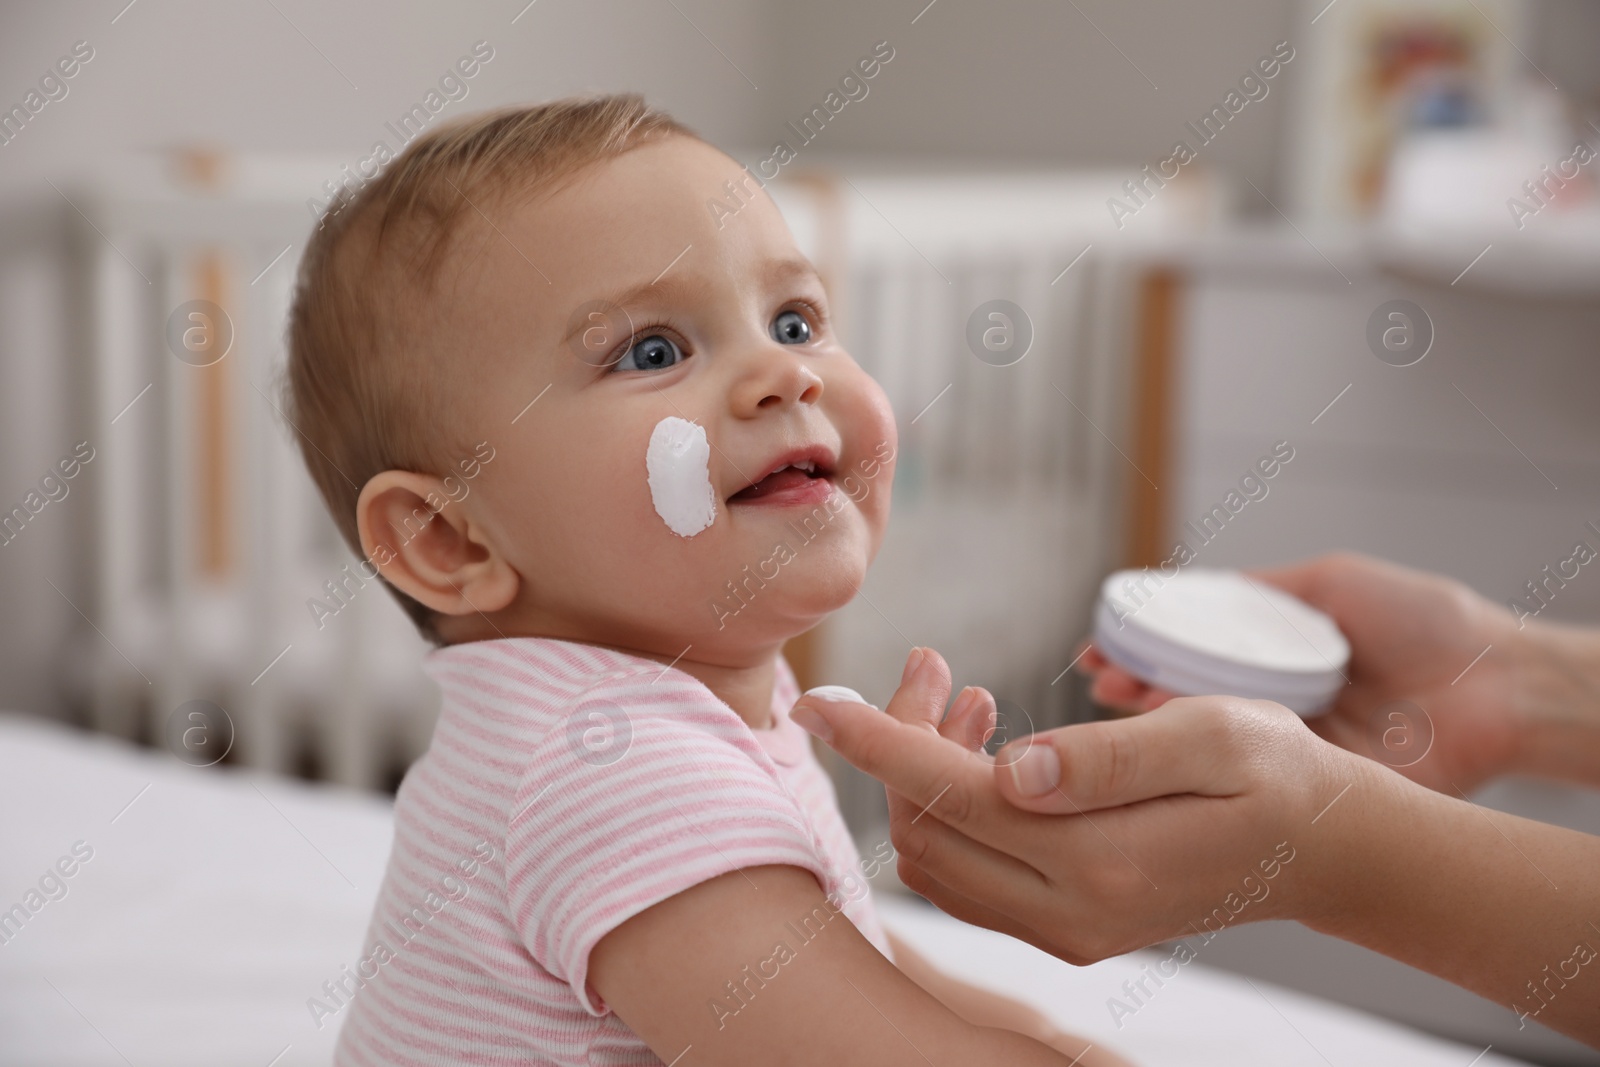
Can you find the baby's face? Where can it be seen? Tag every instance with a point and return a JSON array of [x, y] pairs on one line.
[[620, 302]]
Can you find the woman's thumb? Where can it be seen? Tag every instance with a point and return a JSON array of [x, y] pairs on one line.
[[1168, 751]]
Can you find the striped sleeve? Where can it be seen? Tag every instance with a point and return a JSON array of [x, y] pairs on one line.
[[642, 792]]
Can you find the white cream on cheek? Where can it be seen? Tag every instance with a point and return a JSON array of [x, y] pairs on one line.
[[678, 467]]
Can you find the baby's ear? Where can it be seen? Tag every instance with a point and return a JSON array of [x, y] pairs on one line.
[[425, 545]]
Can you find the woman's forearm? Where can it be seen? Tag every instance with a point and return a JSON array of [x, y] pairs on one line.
[[1557, 686], [1506, 907]]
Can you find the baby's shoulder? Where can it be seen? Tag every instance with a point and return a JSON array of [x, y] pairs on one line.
[[552, 706], [649, 714], [637, 754]]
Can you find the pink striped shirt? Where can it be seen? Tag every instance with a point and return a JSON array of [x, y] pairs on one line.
[[566, 789]]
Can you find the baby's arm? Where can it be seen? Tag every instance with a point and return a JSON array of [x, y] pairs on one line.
[[831, 999], [984, 1008]]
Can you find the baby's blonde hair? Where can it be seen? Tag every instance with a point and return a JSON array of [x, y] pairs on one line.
[[364, 367]]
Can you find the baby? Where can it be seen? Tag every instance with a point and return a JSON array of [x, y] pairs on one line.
[[606, 449]]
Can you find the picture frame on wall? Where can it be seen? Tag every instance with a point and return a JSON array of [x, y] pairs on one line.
[[1379, 69]]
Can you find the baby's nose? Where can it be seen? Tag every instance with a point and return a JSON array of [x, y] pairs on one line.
[[773, 379]]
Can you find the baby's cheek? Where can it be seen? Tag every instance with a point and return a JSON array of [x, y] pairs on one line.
[[873, 448], [874, 432], [875, 508], [577, 488]]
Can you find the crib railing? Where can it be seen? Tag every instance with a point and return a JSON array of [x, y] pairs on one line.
[[209, 540]]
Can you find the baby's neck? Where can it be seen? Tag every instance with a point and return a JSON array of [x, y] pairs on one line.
[[747, 690]]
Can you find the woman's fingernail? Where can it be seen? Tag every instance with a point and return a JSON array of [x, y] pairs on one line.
[[913, 661], [963, 703], [1036, 771], [985, 729], [812, 723], [839, 694]]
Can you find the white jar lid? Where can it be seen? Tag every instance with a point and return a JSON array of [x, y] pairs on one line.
[[1219, 632]]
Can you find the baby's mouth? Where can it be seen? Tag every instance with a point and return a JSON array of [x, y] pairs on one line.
[[793, 478]]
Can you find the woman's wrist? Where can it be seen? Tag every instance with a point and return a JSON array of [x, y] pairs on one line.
[[1341, 852], [1486, 900], [1556, 698]]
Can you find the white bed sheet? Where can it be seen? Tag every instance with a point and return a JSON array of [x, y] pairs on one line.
[[1202, 1017], [216, 903]]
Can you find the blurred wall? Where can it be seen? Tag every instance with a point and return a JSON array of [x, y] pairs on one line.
[[293, 75], [1032, 81], [1007, 81]]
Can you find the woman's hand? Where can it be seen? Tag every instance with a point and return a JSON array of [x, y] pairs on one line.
[[1435, 671], [1092, 840], [1203, 813]]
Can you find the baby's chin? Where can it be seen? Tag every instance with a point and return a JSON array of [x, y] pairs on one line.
[[783, 597]]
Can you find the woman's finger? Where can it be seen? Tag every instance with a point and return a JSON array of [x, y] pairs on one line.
[[1116, 688], [1125, 694], [970, 911], [911, 759], [924, 689], [1182, 747], [1301, 579], [971, 718], [969, 868]]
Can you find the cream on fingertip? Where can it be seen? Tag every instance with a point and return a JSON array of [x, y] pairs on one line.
[[838, 694], [812, 723]]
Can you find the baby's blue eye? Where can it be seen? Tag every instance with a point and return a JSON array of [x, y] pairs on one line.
[[791, 328], [651, 353]]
